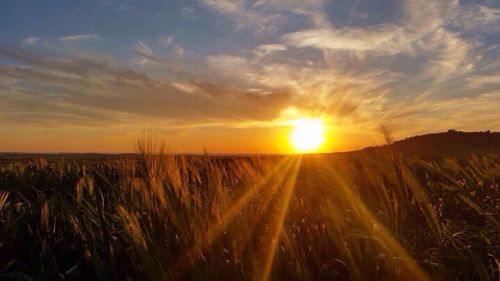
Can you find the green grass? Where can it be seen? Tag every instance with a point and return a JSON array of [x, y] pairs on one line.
[[316, 217]]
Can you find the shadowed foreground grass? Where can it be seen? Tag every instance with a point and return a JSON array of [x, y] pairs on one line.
[[374, 216]]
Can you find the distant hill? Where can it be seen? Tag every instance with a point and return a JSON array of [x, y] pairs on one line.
[[452, 143]]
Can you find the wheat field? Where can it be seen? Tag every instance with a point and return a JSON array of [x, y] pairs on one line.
[[155, 216]]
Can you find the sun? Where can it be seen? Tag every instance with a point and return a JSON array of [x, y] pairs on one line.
[[307, 135]]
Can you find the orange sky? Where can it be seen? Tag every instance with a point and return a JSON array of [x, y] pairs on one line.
[[244, 140]]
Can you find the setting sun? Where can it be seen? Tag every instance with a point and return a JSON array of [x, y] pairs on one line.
[[307, 135]]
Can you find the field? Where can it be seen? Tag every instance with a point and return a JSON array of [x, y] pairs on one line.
[[373, 215]]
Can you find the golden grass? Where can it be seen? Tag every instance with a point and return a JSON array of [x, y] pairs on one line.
[[314, 217]]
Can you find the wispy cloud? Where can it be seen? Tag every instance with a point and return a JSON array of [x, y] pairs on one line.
[[263, 50], [143, 49], [385, 39], [245, 14], [30, 40], [46, 86], [476, 17], [267, 15], [78, 37]]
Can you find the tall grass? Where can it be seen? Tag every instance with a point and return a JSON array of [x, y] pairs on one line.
[[369, 216]]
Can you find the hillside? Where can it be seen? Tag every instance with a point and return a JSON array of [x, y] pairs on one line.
[[451, 143]]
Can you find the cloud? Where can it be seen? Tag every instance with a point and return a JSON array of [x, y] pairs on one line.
[[86, 89], [228, 63], [385, 39], [78, 38], [244, 14], [143, 49], [30, 40], [166, 41], [476, 17], [188, 12], [267, 16], [179, 51], [423, 35], [263, 50], [483, 81]]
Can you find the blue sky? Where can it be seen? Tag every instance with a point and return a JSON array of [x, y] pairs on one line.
[[225, 75]]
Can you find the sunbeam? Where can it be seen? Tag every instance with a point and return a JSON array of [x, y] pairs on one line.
[[215, 229], [250, 229], [277, 226], [376, 229]]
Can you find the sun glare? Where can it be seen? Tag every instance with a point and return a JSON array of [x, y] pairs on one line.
[[307, 135]]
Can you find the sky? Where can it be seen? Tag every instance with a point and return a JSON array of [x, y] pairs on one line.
[[225, 76]]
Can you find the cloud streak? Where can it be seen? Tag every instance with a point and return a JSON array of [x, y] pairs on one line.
[[83, 87], [78, 38]]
